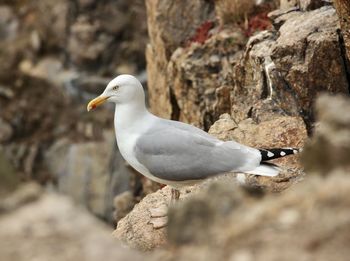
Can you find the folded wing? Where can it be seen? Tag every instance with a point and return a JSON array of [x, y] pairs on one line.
[[175, 151]]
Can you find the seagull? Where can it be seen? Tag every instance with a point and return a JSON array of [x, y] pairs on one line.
[[172, 152]]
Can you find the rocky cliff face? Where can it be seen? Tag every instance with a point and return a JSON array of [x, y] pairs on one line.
[[280, 71]]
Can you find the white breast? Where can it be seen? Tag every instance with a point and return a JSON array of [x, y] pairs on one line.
[[126, 140], [127, 132]]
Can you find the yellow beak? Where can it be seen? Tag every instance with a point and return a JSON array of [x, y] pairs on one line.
[[96, 102]]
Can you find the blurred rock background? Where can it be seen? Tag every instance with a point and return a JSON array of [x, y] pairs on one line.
[[244, 70], [55, 56]]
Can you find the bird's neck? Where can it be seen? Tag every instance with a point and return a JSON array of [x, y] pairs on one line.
[[130, 116]]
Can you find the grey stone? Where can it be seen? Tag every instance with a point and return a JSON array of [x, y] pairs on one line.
[[91, 173]]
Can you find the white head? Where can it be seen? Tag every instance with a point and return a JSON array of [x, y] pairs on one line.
[[124, 89]]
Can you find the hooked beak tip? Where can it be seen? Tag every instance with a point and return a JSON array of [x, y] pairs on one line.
[[95, 102]]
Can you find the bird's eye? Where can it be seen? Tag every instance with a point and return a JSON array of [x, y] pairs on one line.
[[115, 88]]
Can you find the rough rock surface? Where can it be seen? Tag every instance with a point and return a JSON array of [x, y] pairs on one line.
[[282, 72], [305, 5], [136, 229], [343, 10], [52, 228], [199, 77], [224, 223], [283, 131], [169, 30]]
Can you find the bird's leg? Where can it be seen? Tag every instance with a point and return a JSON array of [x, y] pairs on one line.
[[159, 215]]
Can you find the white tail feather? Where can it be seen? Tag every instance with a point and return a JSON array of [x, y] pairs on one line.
[[265, 170]]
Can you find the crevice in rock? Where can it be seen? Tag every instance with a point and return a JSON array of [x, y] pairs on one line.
[[264, 85], [308, 119], [267, 93], [175, 109], [250, 112], [346, 63], [208, 120], [306, 116]]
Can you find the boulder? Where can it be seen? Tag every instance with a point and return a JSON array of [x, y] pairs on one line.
[[282, 72], [225, 222], [53, 228], [92, 173], [329, 148]]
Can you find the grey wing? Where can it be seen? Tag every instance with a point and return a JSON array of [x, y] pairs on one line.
[[176, 151]]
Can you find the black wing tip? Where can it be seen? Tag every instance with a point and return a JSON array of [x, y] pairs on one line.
[[269, 154]]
